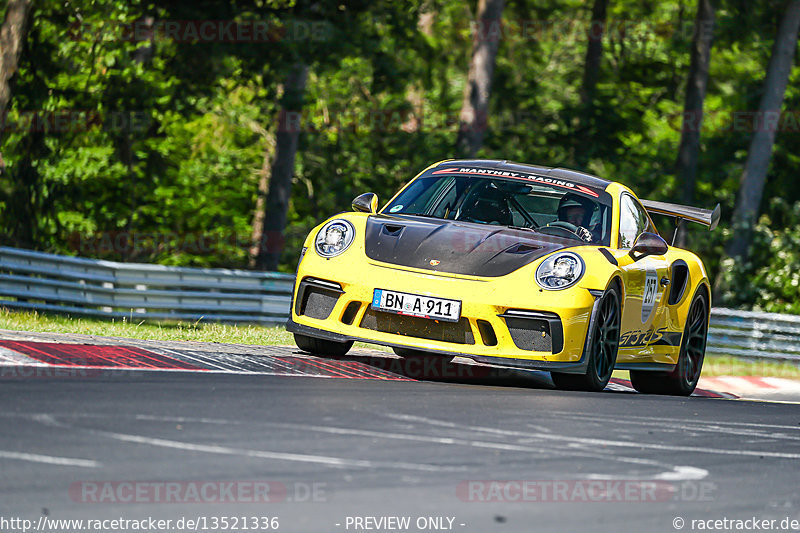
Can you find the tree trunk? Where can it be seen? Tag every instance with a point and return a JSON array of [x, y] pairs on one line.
[[276, 204], [261, 200], [751, 183], [591, 73], [594, 53], [415, 94], [13, 33], [12, 37], [689, 148], [475, 107]]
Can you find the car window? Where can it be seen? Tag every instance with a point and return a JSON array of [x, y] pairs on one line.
[[541, 208], [633, 220], [529, 203], [426, 194]]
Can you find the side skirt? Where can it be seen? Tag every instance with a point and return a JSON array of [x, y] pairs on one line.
[[647, 367]]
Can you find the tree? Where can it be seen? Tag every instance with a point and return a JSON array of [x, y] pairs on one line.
[[12, 37], [257, 234], [751, 183], [475, 106], [594, 53], [591, 73], [689, 149], [276, 204]]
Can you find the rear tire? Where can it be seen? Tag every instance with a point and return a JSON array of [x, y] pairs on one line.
[[683, 379], [603, 346], [317, 346]]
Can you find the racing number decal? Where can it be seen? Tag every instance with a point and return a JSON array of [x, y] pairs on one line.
[[649, 297]]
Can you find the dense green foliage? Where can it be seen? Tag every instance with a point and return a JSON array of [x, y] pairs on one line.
[[151, 150]]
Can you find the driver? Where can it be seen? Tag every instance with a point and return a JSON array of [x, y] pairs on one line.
[[577, 210]]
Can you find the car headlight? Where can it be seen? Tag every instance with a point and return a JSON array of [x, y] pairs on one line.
[[560, 271], [334, 238]]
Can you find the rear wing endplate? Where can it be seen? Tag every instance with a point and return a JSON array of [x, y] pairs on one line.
[[706, 217]]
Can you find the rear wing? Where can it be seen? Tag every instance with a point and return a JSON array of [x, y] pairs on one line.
[[706, 217]]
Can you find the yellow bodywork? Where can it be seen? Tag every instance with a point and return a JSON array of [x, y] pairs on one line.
[[643, 339]]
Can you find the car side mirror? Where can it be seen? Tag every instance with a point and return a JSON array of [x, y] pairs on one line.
[[366, 203], [648, 244]]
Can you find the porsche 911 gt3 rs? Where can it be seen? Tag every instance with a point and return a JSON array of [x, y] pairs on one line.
[[514, 265]]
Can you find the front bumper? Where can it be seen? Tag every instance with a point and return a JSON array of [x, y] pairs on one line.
[[506, 321]]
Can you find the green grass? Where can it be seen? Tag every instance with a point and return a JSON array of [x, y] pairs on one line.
[[720, 365], [152, 330], [733, 366], [260, 335], [164, 331]]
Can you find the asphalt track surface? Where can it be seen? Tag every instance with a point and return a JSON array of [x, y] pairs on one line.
[[496, 452]]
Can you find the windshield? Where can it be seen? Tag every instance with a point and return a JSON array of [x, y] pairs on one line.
[[542, 207]]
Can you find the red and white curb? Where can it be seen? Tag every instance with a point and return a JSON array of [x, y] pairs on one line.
[[53, 358], [746, 386], [119, 357]]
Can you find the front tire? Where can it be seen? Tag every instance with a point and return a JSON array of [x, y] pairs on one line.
[[683, 379], [603, 346], [317, 346]]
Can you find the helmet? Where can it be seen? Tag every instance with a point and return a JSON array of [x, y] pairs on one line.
[[575, 200]]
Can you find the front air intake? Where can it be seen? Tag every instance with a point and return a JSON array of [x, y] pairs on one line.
[[535, 331], [317, 298]]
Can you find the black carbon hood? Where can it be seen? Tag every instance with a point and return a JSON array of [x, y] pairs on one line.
[[455, 247]]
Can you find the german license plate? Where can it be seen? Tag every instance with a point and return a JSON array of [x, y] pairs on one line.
[[416, 305]]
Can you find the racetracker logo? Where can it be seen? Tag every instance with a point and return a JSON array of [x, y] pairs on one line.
[[580, 30], [73, 121], [261, 491], [28, 372], [203, 31], [435, 368], [579, 490]]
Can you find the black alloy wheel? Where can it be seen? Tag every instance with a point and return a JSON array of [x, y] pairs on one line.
[[602, 350]]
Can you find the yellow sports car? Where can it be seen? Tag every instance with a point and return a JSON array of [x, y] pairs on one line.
[[513, 265]]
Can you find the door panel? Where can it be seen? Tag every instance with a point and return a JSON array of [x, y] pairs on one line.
[[644, 309]]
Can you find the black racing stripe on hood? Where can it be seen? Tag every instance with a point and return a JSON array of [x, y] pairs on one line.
[[459, 247]]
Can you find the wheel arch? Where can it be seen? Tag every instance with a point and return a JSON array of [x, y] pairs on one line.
[[703, 288], [616, 281]]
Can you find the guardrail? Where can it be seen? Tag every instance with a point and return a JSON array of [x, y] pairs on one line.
[[754, 335], [54, 283]]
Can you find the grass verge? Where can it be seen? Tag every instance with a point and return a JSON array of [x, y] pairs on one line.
[[261, 335], [164, 331]]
